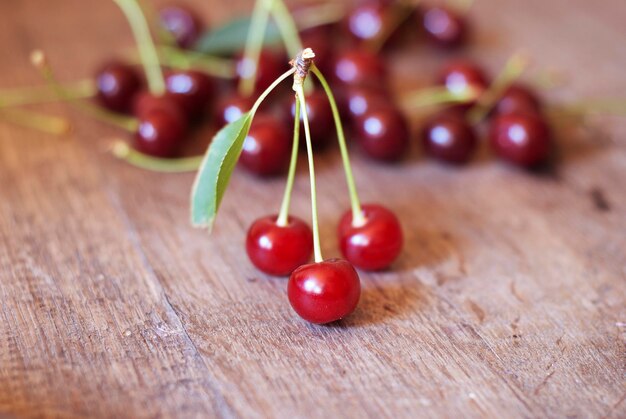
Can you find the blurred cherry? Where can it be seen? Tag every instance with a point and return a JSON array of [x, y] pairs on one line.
[[230, 107], [267, 148], [270, 67], [117, 84], [160, 132], [320, 118], [183, 23], [449, 138], [191, 90], [517, 99], [359, 67], [444, 27], [383, 134], [521, 139]]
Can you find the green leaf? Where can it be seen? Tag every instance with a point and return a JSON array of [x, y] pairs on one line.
[[216, 169], [231, 37]]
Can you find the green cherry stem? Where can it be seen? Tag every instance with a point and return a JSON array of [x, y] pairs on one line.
[[43, 94], [399, 14], [254, 44], [438, 95], [358, 218], [512, 70], [214, 66], [283, 216], [287, 27], [39, 60], [267, 91], [34, 120], [145, 45], [123, 151]]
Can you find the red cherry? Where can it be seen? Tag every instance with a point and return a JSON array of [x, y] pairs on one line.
[[270, 67], [117, 85], [359, 67], [449, 138], [278, 250], [191, 90], [160, 133], [356, 101], [383, 133], [324, 292], [444, 27], [375, 244], [320, 118], [517, 99], [267, 148], [460, 75], [521, 139], [183, 23], [145, 102], [366, 21], [230, 108]]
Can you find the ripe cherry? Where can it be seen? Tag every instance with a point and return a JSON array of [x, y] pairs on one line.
[[460, 75], [270, 67], [517, 99], [183, 23], [376, 243], [449, 138], [521, 139], [230, 108], [278, 250], [383, 133], [444, 27], [117, 85], [320, 118], [160, 132], [191, 90], [366, 21], [267, 148], [355, 101], [324, 292], [359, 67]]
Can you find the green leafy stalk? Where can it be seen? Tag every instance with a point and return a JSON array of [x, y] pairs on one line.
[[254, 44], [43, 94], [123, 151], [357, 213], [145, 45], [283, 216]]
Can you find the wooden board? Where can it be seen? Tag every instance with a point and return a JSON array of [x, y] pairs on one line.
[[509, 299]]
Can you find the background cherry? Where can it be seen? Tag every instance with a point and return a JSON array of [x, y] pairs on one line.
[[444, 27], [320, 118], [278, 250], [144, 102], [183, 23], [324, 292], [460, 75], [267, 148], [383, 133], [191, 90], [117, 84], [270, 67], [375, 244], [230, 107], [366, 21], [521, 139], [449, 138], [355, 101], [359, 67], [160, 133], [518, 99]]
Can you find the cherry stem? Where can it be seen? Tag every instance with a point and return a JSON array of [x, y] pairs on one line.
[[438, 95], [319, 15], [41, 122], [358, 218], [512, 70], [462, 6], [267, 91], [287, 27], [317, 250], [145, 45], [399, 14], [123, 151], [616, 107], [39, 60], [214, 66], [283, 216], [254, 44], [43, 94]]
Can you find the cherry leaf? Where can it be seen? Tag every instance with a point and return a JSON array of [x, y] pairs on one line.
[[216, 169], [231, 38]]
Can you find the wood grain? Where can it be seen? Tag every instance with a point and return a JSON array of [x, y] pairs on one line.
[[509, 300]]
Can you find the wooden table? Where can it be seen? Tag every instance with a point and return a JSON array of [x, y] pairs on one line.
[[509, 299]]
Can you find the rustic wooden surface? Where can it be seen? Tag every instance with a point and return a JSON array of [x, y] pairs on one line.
[[509, 299]]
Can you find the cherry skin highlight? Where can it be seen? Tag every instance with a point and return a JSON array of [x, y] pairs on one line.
[[279, 250], [355, 101], [449, 138], [230, 108], [521, 139], [383, 134], [517, 99], [191, 90], [359, 67], [374, 245], [183, 23], [444, 27], [460, 75], [324, 292], [160, 133], [267, 148], [117, 85], [366, 21], [320, 118]]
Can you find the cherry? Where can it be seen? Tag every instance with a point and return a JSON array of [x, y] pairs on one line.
[[444, 27], [367, 21], [383, 133], [145, 102], [517, 99], [160, 132], [355, 101], [117, 84], [278, 250], [183, 23], [267, 148], [324, 292], [449, 138], [270, 67], [230, 108], [521, 139], [191, 90], [460, 75], [375, 244], [359, 67], [320, 118]]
